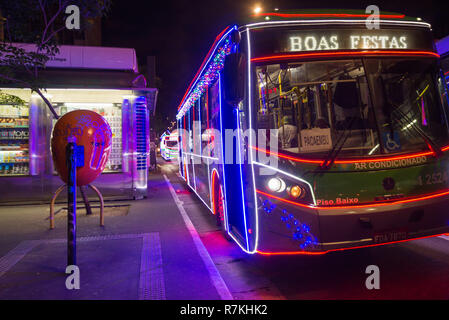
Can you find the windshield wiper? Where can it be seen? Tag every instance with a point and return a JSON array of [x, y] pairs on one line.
[[411, 124], [436, 150], [341, 140]]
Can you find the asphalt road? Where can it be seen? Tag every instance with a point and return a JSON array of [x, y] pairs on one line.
[[412, 270]]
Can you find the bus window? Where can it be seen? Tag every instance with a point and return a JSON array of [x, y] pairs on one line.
[[214, 96], [190, 117], [171, 143], [411, 112], [197, 147], [214, 111], [205, 121], [184, 136]]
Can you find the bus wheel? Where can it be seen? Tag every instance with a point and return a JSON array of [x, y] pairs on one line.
[[219, 208]]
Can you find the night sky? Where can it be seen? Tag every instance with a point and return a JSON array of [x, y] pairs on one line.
[[180, 33]]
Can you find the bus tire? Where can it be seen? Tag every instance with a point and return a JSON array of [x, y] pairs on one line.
[[219, 208]]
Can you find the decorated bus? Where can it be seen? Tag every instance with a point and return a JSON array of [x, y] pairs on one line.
[[340, 135], [169, 145]]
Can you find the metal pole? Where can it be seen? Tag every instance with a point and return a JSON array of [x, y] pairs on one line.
[[71, 205], [101, 204], [86, 201]]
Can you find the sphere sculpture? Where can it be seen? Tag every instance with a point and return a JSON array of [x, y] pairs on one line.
[[88, 129]]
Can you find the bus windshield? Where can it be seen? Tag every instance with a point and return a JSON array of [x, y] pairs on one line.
[[360, 107], [171, 144]]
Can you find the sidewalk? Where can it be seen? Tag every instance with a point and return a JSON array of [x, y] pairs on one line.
[[148, 253]]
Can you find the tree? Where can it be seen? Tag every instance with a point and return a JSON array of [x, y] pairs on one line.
[[38, 22]]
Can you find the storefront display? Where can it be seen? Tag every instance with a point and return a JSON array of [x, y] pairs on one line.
[[114, 118], [14, 140], [25, 132]]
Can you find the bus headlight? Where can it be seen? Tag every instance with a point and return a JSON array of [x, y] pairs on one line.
[[284, 187], [276, 184]]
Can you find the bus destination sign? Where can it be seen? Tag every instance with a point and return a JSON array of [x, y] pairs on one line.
[[268, 42]]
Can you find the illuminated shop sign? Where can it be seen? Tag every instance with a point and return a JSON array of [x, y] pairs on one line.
[[268, 42]]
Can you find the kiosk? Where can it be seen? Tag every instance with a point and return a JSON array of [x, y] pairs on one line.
[[104, 80]]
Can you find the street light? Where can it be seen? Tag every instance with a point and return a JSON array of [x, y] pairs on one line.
[[257, 10]]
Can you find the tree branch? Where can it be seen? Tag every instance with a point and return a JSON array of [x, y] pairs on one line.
[[44, 13], [52, 35], [49, 23], [38, 91], [27, 84]]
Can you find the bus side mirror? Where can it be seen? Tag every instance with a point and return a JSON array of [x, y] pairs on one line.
[[234, 78]]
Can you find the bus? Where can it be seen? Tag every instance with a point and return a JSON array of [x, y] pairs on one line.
[[169, 145], [340, 133]]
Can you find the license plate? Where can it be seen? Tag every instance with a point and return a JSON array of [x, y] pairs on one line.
[[390, 236]]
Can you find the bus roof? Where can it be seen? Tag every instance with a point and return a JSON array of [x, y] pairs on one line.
[[330, 16], [314, 14], [311, 15]]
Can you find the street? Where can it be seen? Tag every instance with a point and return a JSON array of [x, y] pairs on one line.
[[228, 158], [412, 270], [143, 253]]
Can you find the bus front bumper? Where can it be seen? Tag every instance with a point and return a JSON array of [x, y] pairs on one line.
[[349, 228], [377, 225]]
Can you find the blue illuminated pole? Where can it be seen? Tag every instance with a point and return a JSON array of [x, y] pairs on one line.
[[71, 205]]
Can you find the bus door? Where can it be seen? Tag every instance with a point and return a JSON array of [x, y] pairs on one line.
[[235, 177], [180, 147], [189, 147], [201, 166]]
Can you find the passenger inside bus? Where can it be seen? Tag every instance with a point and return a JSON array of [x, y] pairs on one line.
[[288, 133]]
